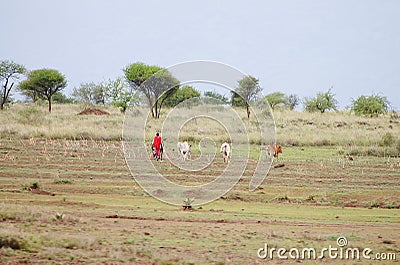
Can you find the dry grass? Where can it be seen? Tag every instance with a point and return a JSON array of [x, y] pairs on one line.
[[33, 121], [336, 128], [356, 135]]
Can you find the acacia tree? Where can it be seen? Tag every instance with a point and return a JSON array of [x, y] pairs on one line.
[[163, 85], [292, 101], [44, 82], [10, 72], [153, 82], [276, 98], [91, 93], [30, 94], [237, 100], [322, 102], [248, 89], [120, 94]]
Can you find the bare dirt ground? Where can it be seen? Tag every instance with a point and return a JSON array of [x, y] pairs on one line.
[[87, 208]]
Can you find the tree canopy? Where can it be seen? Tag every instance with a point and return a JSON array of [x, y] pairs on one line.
[[45, 83], [322, 102], [154, 82], [217, 96], [247, 91], [276, 98], [120, 94], [90, 93], [370, 105], [292, 101], [180, 95], [10, 72]]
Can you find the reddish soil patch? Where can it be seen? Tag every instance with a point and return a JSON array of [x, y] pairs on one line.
[[41, 192], [93, 112], [279, 165]]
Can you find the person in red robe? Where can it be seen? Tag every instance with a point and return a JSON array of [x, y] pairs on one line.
[[157, 145]]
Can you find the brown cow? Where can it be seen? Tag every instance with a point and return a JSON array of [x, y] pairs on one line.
[[274, 150]]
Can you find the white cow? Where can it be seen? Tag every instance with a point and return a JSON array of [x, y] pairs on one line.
[[226, 152], [184, 150]]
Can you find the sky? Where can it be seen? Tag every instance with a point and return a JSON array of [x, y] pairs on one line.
[[296, 47]]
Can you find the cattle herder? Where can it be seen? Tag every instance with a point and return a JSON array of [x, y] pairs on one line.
[[157, 147]]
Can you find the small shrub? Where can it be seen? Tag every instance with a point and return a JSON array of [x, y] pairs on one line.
[[282, 198], [388, 139], [187, 204], [59, 216], [310, 198], [34, 185], [13, 243], [5, 216], [375, 204], [62, 181], [390, 206], [70, 245]]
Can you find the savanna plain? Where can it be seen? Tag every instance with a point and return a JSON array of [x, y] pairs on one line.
[[67, 195]]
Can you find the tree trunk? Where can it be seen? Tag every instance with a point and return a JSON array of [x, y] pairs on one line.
[[156, 109], [248, 111], [3, 100], [49, 99], [161, 103], [6, 93], [159, 111]]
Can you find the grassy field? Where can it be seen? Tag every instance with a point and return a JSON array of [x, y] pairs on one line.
[[67, 196]]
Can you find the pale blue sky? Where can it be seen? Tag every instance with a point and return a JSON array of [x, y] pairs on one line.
[[301, 47]]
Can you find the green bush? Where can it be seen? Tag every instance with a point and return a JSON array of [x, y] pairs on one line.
[[180, 95], [59, 97], [62, 181], [370, 105]]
